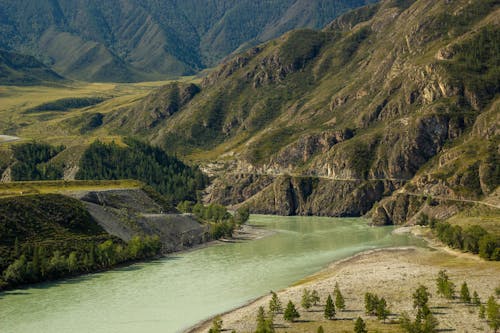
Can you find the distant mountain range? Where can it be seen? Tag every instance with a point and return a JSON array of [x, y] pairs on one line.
[[134, 40]]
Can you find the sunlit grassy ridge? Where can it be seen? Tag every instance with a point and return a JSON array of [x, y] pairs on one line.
[[60, 186]]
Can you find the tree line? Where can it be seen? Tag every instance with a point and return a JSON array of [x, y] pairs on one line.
[[39, 262], [222, 222], [474, 239]]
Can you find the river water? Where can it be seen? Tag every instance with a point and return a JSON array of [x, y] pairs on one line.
[[174, 293]]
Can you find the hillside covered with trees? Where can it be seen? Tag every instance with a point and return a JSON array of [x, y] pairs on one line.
[[166, 174]]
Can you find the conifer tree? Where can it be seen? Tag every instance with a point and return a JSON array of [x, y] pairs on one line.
[[493, 313], [339, 298], [320, 329], [482, 311], [291, 313], [444, 286], [315, 297], [420, 300], [275, 306], [360, 326], [464, 293], [475, 299], [382, 311], [329, 308], [306, 299]]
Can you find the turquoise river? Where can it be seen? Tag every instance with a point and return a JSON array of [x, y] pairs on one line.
[[172, 294]]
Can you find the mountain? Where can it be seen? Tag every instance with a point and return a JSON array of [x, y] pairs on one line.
[[18, 69], [391, 108], [132, 40]]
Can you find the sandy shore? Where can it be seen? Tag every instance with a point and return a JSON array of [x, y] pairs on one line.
[[392, 273]]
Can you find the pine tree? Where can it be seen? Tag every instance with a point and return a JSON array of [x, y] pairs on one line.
[[329, 308], [464, 293], [444, 285], [264, 325], [291, 313], [475, 299], [420, 300], [320, 329], [339, 299], [493, 313], [360, 326], [306, 299], [315, 297], [275, 306], [482, 311], [382, 311]]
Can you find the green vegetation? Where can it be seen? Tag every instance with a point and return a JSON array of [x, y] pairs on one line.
[[291, 314], [329, 308], [464, 293], [474, 238], [216, 325], [65, 104], [166, 174], [339, 298], [493, 313], [264, 324], [275, 306], [31, 162], [376, 306], [425, 322], [46, 237], [360, 326], [444, 286], [306, 299], [222, 223]]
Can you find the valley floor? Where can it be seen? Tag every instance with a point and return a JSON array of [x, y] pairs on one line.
[[391, 273]]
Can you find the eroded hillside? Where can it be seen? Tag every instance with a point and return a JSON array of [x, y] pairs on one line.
[[330, 122]]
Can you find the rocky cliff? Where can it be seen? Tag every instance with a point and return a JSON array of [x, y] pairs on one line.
[[129, 213], [397, 97]]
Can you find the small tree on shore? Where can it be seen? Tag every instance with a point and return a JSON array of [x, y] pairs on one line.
[[291, 313], [315, 299], [475, 299], [464, 293], [320, 329], [482, 311], [275, 306], [360, 326], [339, 299], [306, 299], [382, 310], [493, 313], [420, 299], [216, 325], [444, 286], [264, 325], [329, 308]]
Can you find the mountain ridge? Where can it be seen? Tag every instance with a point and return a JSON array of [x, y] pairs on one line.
[[416, 76], [149, 40]]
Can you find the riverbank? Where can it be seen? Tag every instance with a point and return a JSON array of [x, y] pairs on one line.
[[392, 273]]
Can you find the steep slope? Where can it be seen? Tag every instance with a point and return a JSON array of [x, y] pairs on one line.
[[135, 40], [18, 69], [330, 122]]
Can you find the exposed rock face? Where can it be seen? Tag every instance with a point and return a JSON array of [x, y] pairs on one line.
[[330, 122], [130, 213]]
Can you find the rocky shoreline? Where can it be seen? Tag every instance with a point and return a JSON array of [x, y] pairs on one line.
[[393, 273]]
